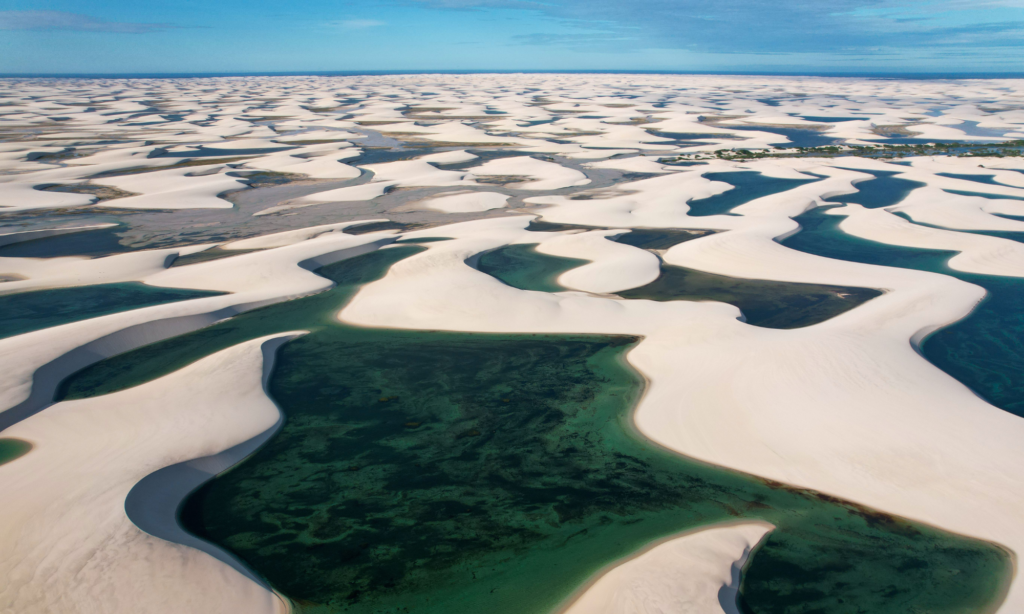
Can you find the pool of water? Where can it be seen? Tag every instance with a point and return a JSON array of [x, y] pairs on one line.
[[28, 311], [984, 195], [770, 304], [984, 351], [747, 186], [660, 238], [94, 243], [449, 472], [11, 449], [986, 179], [798, 137], [884, 190], [523, 267]]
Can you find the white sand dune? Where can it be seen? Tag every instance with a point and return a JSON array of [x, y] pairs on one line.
[[35, 362], [695, 573], [543, 175], [40, 273], [69, 547], [462, 202], [940, 208], [313, 161], [291, 237], [613, 266], [173, 189]]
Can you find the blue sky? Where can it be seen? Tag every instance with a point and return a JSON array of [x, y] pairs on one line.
[[191, 36]]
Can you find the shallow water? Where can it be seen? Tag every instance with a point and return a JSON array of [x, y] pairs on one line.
[[11, 449], [986, 179], [884, 190], [450, 472], [984, 195], [984, 351], [28, 311], [94, 243], [523, 267], [747, 186], [660, 238]]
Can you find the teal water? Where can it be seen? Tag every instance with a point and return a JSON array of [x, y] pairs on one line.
[[523, 267], [28, 311], [984, 351], [884, 190], [435, 472], [747, 186]]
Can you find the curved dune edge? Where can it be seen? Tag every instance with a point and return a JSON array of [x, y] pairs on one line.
[[68, 544], [36, 362], [697, 571], [154, 502], [844, 407]]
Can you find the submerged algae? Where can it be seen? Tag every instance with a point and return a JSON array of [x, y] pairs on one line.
[[453, 472]]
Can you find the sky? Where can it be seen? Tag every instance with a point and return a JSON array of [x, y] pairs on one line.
[[268, 36]]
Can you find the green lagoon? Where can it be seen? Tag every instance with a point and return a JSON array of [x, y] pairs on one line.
[[423, 471], [523, 267]]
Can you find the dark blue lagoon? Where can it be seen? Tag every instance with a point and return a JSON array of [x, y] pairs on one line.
[[984, 351], [986, 179]]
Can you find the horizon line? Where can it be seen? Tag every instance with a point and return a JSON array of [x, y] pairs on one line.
[[915, 75]]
